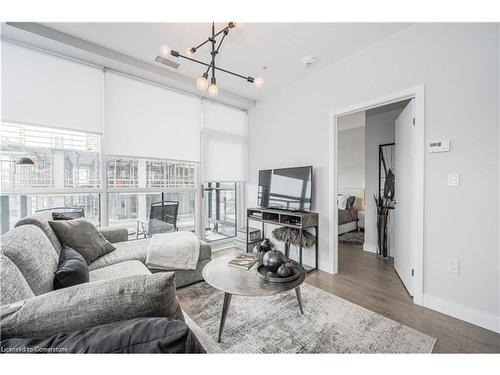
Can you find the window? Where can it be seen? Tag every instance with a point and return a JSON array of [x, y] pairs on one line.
[[66, 161], [170, 174], [122, 173], [135, 184], [220, 210]]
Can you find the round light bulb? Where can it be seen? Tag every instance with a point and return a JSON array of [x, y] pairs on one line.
[[258, 82], [189, 52], [202, 83], [213, 90], [165, 51]]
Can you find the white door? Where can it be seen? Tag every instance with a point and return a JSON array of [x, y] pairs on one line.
[[403, 170]]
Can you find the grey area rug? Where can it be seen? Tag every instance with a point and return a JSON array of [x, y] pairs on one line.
[[353, 237], [274, 324]]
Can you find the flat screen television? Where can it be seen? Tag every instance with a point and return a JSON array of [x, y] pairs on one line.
[[286, 188]]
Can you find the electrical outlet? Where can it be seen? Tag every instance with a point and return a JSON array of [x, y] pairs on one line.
[[453, 266]]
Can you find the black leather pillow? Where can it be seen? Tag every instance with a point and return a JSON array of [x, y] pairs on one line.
[[350, 203], [71, 270]]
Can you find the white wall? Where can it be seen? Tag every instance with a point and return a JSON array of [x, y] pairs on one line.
[[351, 158], [459, 65], [379, 130]]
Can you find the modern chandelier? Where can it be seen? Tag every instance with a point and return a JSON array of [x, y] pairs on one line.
[[202, 82]]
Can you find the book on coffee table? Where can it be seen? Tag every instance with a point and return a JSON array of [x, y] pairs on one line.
[[243, 261]]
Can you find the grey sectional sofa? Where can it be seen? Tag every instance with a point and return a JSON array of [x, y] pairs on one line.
[[125, 251], [121, 287]]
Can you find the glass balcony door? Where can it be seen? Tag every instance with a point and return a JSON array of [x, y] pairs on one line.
[[220, 210]]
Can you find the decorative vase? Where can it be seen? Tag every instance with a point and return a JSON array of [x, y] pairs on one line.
[[287, 249], [382, 235], [285, 270], [265, 245], [273, 259]]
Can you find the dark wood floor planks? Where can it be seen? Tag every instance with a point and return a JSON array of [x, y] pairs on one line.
[[371, 282]]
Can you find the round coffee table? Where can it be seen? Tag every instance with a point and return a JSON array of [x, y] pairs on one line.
[[234, 280]]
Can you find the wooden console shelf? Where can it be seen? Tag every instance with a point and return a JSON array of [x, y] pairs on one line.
[[291, 219]]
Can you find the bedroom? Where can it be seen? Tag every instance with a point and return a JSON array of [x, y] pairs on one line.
[[366, 202]]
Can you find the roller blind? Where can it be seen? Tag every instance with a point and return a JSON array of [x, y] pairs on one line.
[[145, 120], [41, 89], [224, 143]]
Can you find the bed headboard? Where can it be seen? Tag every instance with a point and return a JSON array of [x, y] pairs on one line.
[[359, 193]]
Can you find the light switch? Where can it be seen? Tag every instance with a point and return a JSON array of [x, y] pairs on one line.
[[453, 266], [453, 179]]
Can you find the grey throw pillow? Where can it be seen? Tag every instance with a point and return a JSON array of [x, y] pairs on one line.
[[82, 236]]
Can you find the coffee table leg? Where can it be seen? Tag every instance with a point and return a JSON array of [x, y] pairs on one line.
[[225, 308], [299, 298]]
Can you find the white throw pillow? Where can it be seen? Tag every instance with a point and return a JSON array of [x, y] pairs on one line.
[[341, 201]]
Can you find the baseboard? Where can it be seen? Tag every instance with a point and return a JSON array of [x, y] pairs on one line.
[[326, 267], [464, 313], [369, 247]]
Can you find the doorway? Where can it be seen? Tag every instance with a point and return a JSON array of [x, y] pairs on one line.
[[361, 233]]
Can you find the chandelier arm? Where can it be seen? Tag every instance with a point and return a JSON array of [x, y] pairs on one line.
[[177, 54], [220, 43], [227, 28]]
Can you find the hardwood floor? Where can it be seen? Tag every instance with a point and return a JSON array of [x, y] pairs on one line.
[[371, 282]]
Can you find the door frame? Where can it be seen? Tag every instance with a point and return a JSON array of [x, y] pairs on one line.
[[417, 230]]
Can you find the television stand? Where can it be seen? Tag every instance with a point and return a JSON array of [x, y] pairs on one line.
[[291, 219]]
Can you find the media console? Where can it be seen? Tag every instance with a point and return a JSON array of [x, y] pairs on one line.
[[284, 218]]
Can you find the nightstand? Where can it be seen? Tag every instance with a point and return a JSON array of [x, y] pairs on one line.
[[361, 220]]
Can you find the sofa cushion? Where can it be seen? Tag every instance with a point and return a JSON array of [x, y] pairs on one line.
[[13, 285], [41, 220], [90, 304], [114, 234], [71, 270], [140, 335], [124, 269], [126, 250], [83, 236], [137, 250], [33, 254]]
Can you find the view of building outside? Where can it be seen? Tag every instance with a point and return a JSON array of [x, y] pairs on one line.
[[220, 210], [69, 162], [64, 160], [137, 183]]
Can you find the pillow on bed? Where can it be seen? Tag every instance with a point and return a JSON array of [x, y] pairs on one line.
[[341, 201], [350, 203]]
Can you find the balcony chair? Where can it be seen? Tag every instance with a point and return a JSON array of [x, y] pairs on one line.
[[162, 219]]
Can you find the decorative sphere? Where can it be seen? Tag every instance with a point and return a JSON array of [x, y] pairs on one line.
[[285, 271], [273, 259]]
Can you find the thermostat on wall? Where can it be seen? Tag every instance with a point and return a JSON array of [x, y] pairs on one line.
[[439, 146]]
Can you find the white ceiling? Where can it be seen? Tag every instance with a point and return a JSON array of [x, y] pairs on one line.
[[279, 46]]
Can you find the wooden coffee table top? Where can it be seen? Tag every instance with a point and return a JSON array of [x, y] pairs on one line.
[[243, 282]]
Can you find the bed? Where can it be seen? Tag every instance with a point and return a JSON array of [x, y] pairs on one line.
[[348, 213]]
